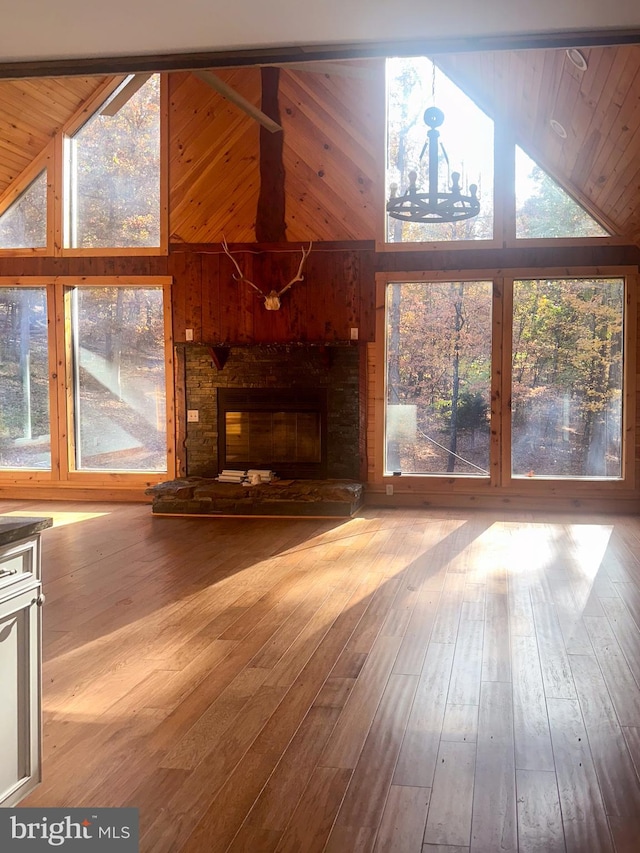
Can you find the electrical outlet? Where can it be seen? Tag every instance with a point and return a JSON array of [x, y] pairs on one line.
[[354, 334], [193, 416], [188, 334], [389, 489]]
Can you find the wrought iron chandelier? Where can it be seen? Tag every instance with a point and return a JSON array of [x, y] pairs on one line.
[[433, 205]]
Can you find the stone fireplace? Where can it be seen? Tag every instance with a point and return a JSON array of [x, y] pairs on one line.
[[294, 409]]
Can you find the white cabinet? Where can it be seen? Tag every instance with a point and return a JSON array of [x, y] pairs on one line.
[[21, 602], [19, 564], [20, 703]]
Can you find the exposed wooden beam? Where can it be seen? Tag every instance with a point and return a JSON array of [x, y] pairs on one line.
[[334, 69], [287, 53], [117, 102], [236, 98], [270, 214]]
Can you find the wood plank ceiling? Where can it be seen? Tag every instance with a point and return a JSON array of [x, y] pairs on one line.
[[31, 113], [599, 107], [598, 162]]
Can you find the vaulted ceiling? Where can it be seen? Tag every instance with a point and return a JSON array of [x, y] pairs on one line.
[[31, 113], [598, 106]]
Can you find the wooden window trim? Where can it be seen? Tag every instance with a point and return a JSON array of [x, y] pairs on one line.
[[504, 208], [414, 488], [61, 474], [52, 159], [43, 162], [72, 127]]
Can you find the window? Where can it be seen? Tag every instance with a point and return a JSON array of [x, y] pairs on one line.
[[508, 379], [544, 209], [24, 379], [112, 176], [566, 377], [438, 391], [539, 208], [413, 84], [119, 379], [95, 354], [24, 224]]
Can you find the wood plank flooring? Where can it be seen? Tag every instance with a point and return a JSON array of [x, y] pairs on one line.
[[406, 681]]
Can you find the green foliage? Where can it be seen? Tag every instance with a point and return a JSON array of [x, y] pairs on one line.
[[567, 373], [551, 212], [473, 411]]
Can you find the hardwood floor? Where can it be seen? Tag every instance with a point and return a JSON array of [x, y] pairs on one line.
[[403, 682]]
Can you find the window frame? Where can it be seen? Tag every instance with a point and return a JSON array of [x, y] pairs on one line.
[[73, 126], [500, 481], [43, 163], [504, 214], [61, 391], [52, 159]]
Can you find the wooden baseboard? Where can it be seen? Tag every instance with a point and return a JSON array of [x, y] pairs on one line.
[[552, 503], [74, 493]]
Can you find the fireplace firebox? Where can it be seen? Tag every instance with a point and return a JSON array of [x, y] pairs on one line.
[[280, 429]]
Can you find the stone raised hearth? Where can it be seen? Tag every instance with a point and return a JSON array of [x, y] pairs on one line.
[[203, 496]]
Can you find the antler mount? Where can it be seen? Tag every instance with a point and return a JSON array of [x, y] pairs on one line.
[[272, 299]]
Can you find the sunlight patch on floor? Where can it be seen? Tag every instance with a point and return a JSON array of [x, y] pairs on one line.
[[60, 518]]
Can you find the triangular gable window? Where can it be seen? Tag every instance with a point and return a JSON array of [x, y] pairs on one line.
[[544, 209], [465, 146], [112, 175], [23, 225]]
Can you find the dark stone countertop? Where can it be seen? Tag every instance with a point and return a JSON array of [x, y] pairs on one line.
[[13, 528]]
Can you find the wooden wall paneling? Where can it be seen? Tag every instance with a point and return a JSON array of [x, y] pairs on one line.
[[213, 159], [622, 198], [350, 274], [296, 299], [348, 295], [605, 108], [31, 112], [180, 393], [363, 385], [333, 153], [186, 294], [317, 295], [270, 272], [237, 302], [551, 71], [612, 108], [563, 109], [594, 80], [333, 299], [610, 174], [367, 297], [634, 284], [532, 89], [208, 288]]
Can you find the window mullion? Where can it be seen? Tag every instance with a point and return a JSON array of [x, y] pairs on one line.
[[499, 388], [59, 416]]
